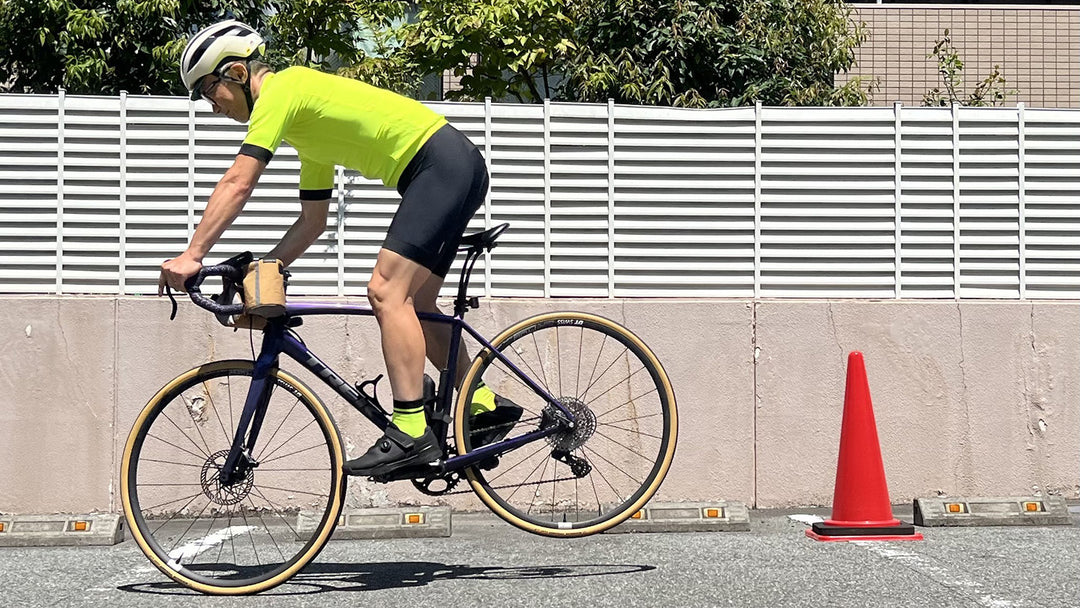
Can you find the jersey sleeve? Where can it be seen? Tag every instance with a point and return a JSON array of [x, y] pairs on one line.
[[270, 118], [316, 180]]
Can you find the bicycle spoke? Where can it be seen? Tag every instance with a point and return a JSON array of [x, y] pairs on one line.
[[205, 454], [620, 383], [532, 502], [633, 431], [540, 362], [278, 513], [195, 423], [199, 456], [601, 473], [629, 419], [615, 466], [179, 464], [267, 528], [620, 444], [179, 558], [210, 397], [602, 374], [274, 434], [189, 500], [290, 439], [294, 491], [314, 447], [504, 472]]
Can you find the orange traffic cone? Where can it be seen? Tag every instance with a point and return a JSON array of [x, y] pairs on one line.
[[861, 508]]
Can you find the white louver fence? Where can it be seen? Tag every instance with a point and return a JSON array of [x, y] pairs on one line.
[[603, 200]]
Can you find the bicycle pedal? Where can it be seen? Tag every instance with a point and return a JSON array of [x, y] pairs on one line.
[[417, 472]]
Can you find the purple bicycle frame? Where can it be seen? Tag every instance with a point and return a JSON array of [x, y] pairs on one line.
[[279, 339]]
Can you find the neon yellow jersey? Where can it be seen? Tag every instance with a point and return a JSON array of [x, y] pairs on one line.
[[332, 120]]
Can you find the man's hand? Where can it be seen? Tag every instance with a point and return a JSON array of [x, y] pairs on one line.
[[177, 270]]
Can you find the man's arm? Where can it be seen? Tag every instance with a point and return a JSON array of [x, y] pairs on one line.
[[225, 204], [303, 233]]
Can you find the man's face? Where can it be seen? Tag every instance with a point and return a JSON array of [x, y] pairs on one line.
[[226, 96]]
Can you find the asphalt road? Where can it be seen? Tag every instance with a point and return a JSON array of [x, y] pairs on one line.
[[488, 563]]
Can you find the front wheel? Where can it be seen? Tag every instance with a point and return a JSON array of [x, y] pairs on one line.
[[250, 533], [591, 478]]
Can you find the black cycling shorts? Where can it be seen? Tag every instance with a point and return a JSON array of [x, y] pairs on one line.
[[441, 188]]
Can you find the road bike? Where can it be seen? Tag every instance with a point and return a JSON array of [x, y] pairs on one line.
[[232, 477]]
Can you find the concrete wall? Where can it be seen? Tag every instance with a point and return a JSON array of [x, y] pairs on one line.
[[971, 398]]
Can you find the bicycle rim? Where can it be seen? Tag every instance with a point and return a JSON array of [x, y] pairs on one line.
[[249, 535], [587, 480]]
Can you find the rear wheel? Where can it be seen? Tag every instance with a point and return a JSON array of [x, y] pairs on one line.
[[588, 479], [231, 536]]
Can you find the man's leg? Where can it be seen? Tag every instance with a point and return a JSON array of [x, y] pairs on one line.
[[493, 416], [437, 335], [408, 442], [394, 282]]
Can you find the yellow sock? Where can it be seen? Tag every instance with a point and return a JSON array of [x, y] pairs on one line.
[[409, 417], [483, 400]]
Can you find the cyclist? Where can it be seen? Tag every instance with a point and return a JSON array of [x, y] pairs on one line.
[[331, 120]]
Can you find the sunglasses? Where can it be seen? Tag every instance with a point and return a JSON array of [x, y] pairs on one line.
[[206, 91]]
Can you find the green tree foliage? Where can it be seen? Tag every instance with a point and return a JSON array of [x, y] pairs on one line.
[[707, 53], [104, 46], [498, 48], [990, 91]]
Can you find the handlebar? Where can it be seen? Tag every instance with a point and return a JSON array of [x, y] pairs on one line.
[[194, 283], [232, 273]]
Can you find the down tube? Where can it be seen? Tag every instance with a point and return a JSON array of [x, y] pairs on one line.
[[539, 390]]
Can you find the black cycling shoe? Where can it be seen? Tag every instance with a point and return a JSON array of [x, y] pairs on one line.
[[489, 427], [396, 450]]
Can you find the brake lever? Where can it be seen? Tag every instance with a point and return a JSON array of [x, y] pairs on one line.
[[168, 290]]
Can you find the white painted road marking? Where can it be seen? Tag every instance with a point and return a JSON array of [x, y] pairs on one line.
[[195, 547]]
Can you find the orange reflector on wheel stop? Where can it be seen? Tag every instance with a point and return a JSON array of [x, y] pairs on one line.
[[80, 526], [1032, 507], [414, 518], [1, 526], [956, 507], [638, 515], [713, 513]]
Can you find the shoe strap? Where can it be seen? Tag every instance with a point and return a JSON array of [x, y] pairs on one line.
[[403, 439]]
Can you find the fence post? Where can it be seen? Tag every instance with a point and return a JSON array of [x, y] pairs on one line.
[[123, 193], [487, 197], [757, 199], [956, 198], [191, 171], [340, 231], [547, 198], [60, 194], [1021, 209], [897, 192], [611, 196]]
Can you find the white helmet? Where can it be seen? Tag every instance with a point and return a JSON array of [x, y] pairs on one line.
[[216, 46]]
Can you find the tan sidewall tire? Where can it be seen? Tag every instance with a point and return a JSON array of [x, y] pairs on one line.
[[336, 499], [462, 408]]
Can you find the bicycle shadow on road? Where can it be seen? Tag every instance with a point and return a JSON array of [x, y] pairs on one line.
[[325, 577]]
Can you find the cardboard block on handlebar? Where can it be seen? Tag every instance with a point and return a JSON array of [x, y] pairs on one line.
[[264, 288]]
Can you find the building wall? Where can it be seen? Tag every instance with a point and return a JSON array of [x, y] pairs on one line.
[[1038, 49]]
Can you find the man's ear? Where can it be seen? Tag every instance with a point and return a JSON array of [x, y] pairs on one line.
[[236, 71]]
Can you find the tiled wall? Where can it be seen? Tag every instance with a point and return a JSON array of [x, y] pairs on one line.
[[1038, 50]]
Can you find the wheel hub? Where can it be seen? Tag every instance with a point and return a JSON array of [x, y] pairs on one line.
[[584, 425], [220, 493]]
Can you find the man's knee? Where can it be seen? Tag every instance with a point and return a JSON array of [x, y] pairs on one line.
[[384, 296]]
